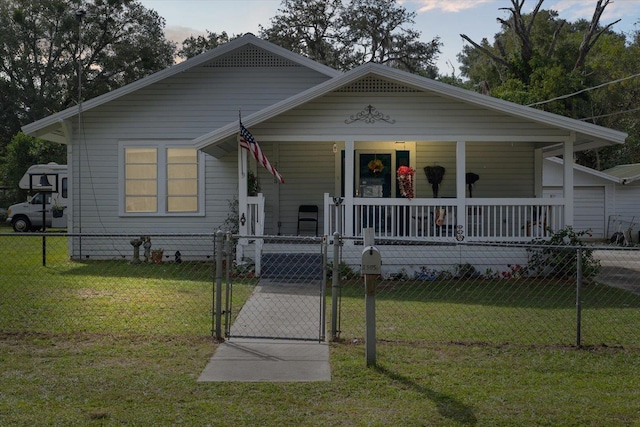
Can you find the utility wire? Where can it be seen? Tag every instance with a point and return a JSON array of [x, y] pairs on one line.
[[584, 90], [610, 114]]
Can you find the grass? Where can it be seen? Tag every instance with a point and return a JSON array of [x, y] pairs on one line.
[[137, 380], [110, 343]]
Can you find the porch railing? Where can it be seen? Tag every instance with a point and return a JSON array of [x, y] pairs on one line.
[[437, 219]]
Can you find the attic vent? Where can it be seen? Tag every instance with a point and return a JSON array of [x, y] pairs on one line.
[[372, 84], [250, 57]]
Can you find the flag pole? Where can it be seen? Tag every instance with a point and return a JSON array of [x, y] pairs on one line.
[[240, 153]]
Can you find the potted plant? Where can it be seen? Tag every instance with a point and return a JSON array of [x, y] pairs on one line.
[[57, 211], [156, 255]]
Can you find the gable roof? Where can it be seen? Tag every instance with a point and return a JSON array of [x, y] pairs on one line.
[[587, 134], [600, 174], [625, 173], [52, 127], [621, 174]]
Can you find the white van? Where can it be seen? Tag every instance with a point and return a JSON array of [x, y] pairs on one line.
[[27, 216]]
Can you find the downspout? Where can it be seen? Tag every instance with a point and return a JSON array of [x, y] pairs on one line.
[[568, 179]]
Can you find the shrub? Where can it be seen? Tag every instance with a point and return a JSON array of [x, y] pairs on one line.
[[557, 257]]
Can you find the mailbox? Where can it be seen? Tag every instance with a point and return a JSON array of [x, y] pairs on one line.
[[371, 260]]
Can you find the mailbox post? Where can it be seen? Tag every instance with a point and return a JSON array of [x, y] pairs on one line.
[[371, 269]]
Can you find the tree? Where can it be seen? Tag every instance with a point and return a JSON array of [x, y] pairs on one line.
[[528, 40], [542, 60], [22, 152], [194, 46], [344, 36], [378, 29], [43, 42], [309, 28]]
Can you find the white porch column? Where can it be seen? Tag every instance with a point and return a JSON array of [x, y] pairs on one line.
[[349, 189], [243, 165], [568, 179], [461, 192], [538, 164]]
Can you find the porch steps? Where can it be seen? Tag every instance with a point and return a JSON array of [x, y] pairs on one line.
[[292, 266]]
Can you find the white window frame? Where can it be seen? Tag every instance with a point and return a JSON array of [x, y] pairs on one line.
[[161, 146]]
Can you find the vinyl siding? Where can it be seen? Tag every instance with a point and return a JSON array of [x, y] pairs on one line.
[[308, 169], [416, 116], [178, 108]]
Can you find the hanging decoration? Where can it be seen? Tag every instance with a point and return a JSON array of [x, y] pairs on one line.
[[434, 176], [471, 179], [375, 166], [405, 181]]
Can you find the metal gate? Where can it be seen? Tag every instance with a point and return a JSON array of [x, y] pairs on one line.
[[287, 300]]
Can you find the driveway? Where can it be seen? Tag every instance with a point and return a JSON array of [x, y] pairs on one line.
[[620, 268]]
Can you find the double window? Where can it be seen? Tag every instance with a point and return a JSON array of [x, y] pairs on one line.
[[161, 178]]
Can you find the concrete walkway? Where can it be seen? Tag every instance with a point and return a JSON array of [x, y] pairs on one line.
[[271, 307], [259, 360]]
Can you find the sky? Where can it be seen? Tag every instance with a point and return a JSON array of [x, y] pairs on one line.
[[446, 19]]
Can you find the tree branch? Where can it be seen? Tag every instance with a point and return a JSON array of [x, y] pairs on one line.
[[485, 51]]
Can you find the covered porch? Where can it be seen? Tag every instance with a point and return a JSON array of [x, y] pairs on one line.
[[323, 142], [509, 209]]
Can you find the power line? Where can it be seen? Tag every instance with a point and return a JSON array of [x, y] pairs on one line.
[[610, 114], [584, 90]]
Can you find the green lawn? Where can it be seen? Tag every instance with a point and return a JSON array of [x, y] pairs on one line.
[[111, 343], [139, 380]]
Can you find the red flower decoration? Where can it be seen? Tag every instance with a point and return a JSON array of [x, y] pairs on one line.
[[405, 181]]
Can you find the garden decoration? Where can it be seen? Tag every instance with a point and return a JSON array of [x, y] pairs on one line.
[[375, 166], [147, 248], [136, 250], [434, 176], [471, 179], [440, 215], [405, 181]]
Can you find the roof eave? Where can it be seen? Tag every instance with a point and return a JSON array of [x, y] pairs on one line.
[[598, 135], [247, 39]]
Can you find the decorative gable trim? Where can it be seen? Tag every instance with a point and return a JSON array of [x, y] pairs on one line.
[[250, 56], [372, 84]]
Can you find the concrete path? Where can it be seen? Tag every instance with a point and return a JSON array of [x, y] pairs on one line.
[[285, 310], [258, 360]]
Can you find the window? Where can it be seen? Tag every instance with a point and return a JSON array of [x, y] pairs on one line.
[[65, 187], [141, 179], [182, 180], [162, 179]]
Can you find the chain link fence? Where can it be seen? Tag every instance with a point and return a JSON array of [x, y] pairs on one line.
[[427, 292], [532, 294]]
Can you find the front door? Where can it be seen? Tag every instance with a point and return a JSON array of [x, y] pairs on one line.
[[375, 172]]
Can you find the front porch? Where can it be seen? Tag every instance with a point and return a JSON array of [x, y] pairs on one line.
[[442, 220], [453, 219], [421, 221]]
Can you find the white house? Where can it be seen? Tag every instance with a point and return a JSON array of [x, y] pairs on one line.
[[162, 154], [605, 201]]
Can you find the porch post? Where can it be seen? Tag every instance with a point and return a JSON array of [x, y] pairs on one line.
[[243, 165], [568, 179], [349, 190], [461, 195], [538, 165]]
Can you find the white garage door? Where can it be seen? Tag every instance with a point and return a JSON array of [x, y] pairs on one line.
[[588, 208]]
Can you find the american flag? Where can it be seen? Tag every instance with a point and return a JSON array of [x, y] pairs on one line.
[[249, 143]]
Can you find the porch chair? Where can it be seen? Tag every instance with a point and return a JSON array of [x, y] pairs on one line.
[[308, 214]]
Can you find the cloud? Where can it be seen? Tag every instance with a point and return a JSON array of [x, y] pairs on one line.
[[452, 6], [178, 34], [573, 10]]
